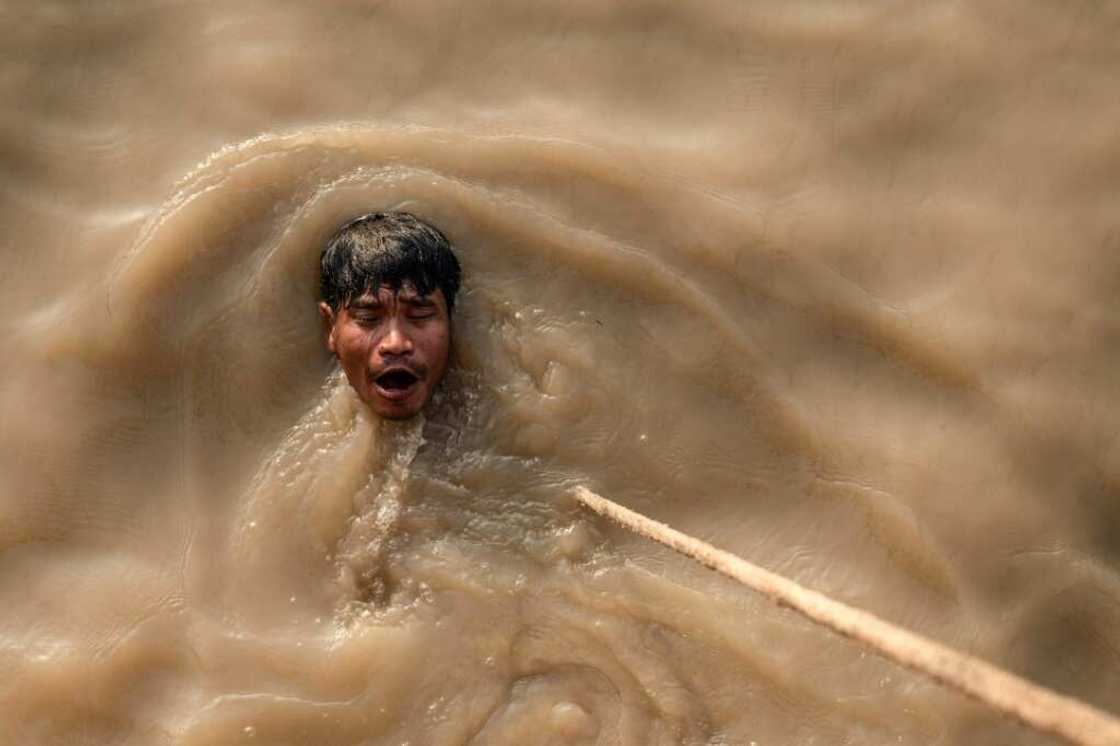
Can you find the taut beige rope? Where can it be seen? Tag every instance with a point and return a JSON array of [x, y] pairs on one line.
[[1035, 706]]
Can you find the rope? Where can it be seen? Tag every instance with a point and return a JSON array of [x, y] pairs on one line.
[[1035, 706]]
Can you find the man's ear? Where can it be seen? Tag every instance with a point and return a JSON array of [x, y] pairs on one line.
[[326, 318]]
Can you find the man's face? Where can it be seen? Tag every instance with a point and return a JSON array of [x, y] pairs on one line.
[[393, 346]]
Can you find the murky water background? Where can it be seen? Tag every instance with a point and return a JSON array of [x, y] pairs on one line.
[[831, 285]]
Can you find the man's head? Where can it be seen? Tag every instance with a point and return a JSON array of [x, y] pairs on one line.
[[388, 284]]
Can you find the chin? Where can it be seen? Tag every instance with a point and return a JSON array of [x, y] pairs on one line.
[[395, 410], [396, 415]]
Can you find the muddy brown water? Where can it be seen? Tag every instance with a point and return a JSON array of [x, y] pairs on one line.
[[830, 285]]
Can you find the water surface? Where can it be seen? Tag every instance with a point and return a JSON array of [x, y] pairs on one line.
[[830, 285]]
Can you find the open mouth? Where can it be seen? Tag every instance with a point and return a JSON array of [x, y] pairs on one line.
[[396, 383]]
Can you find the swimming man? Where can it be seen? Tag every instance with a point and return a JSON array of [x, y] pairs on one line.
[[388, 284]]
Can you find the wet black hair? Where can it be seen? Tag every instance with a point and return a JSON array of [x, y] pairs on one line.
[[387, 248]]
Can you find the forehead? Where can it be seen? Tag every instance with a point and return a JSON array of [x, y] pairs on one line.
[[405, 294]]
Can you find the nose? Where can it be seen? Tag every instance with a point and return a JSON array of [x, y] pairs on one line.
[[395, 341]]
